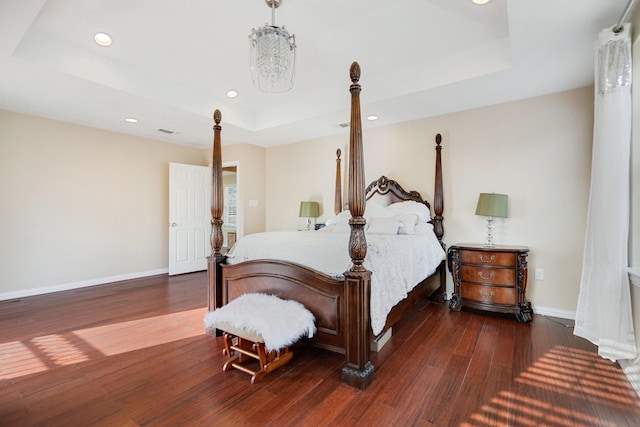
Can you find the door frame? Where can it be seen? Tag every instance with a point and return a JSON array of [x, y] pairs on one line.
[[240, 215]]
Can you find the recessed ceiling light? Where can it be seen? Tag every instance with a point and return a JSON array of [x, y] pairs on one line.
[[372, 117], [480, 1], [232, 93], [131, 120], [102, 39]]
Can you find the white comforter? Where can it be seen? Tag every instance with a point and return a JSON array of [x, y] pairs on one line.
[[397, 262]]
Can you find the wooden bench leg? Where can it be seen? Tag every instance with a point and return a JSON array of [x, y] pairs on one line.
[[247, 350]]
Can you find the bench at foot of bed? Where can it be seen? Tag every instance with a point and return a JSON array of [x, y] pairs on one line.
[[260, 327]]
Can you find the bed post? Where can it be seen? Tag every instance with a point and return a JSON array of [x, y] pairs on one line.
[[438, 208], [337, 203], [358, 371], [438, 203], [217, 205]]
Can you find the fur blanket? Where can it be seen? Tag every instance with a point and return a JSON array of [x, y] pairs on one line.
[[279, 322]]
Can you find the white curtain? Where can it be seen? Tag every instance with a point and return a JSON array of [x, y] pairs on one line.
[[604, 304]]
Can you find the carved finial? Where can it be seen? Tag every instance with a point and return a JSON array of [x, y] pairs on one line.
[[354, 72], [217, 116], [438, 138], [338, 153]]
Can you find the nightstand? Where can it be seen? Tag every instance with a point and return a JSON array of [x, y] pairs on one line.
[[490, 278]]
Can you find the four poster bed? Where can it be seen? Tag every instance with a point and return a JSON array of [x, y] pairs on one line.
[[342, 303]]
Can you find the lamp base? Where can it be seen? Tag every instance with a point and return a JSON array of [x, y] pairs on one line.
[[489, 243]]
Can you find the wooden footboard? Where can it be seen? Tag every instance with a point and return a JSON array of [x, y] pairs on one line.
[[341, 308], [319, 293]]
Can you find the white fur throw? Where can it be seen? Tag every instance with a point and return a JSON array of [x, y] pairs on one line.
[[279, 322]]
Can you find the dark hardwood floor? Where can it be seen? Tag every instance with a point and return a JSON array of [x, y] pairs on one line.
[[134, 353]]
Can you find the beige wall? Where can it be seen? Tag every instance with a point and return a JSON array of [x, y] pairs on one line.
[[301, 172], [92, 204], [79, 204], [538, 151]]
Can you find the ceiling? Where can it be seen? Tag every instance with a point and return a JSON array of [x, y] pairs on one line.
[[172, 62]]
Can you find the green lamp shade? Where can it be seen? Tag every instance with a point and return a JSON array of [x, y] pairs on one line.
[[309, 210], [492, 204]]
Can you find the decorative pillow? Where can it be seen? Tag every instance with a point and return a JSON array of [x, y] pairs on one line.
[[383, 225], [411, 207], [409, 222]]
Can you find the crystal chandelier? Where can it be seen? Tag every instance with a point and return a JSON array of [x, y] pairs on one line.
[[272, 55]]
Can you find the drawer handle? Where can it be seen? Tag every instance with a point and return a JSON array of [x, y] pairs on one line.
[[489, 295], [491, 275], [487, 261]]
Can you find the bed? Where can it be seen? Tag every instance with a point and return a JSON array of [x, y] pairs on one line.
[[342, 302]]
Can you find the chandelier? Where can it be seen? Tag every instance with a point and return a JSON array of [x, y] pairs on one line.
[[272, 55]]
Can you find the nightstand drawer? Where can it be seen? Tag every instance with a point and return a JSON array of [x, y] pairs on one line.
[[495, 276], [507, 259], [488, 294]]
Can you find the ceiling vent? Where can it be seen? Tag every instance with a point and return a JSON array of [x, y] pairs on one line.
[[343, 125], [169, 132]]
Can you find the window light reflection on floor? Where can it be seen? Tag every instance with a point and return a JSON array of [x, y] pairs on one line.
[[560, 376], [19, 358]]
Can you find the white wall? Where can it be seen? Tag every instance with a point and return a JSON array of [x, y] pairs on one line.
[[538, 151], [81, 206]]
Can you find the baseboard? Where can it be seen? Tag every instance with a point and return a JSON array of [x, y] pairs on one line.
[[554, 312], [83, 284], [631, 369]]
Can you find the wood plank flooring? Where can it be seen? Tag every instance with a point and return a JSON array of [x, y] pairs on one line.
[[134, 353]]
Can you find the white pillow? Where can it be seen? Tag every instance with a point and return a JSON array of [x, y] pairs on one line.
[[341, 218], [342, 227], [376, 210], [411, 207], [383, 225], [424, 228], [372, 210], [409, 222]]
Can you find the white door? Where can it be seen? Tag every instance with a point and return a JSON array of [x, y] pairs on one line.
[[189, 217]]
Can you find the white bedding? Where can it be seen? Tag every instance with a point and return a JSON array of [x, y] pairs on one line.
[[397, 262]]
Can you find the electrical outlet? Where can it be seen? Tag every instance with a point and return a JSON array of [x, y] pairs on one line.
[[539, 274]]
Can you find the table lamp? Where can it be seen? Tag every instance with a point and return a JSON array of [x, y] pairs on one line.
[[309, 210], [491, 205]]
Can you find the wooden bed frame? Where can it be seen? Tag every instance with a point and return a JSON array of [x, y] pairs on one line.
[[341, 307]]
